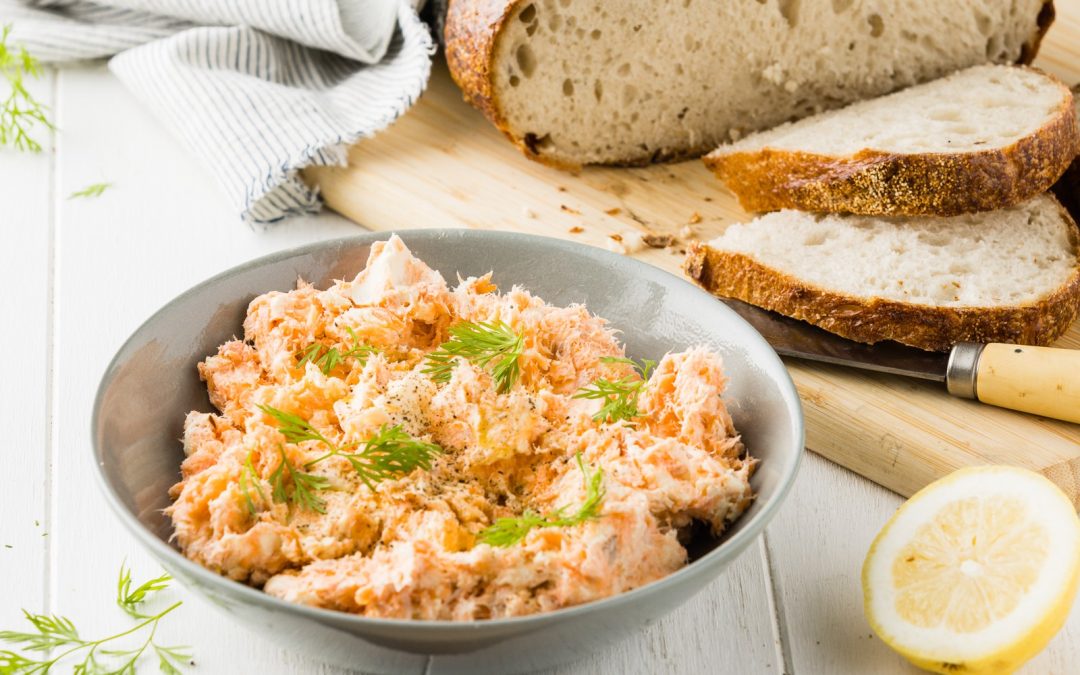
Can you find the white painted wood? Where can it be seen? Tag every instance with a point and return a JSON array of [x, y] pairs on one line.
[[26, 227], [164, 227], [727, 628], [817, 544]]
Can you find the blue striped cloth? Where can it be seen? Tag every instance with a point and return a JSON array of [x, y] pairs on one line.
[[259, 89]]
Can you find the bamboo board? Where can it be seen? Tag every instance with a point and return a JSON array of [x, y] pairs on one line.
[[443, 165]]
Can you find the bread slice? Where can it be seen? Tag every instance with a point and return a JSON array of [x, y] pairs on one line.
[[1011, 275], [984, 138], [1068, 188], [575, 82]]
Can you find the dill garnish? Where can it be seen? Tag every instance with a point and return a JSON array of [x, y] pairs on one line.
[[57, 634], [249, 479], [620, 396], [389, 453], [305, 486], [329, 359], [487, 343], [20, 111], [95, 190], [509, 531]]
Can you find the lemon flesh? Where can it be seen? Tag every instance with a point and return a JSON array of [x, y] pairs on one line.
[[976, 572]]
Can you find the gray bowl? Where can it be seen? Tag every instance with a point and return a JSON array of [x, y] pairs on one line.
[[152, 383]]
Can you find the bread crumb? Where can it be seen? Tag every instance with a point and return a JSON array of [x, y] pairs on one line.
[[561, 188], [687, 232], [616, 237], [613, 212], [569, 210], [632, 240], [708, 199], [527, 212], [577, 229], [658, 240], [614, 246], [695, 218]]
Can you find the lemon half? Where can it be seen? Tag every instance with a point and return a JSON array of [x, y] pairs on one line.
[[976, 572]]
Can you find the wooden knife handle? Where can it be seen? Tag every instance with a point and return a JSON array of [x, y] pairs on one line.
[[1039, 380]]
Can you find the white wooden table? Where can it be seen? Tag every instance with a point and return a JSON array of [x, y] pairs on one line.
[[80, 275]]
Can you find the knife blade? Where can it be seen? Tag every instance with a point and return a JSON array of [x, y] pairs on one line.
[[798, 339], [1039, 380]]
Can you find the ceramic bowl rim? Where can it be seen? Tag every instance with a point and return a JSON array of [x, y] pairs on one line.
[[723, 553]]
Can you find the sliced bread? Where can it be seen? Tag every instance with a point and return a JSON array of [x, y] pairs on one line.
[[575, 82], [984, 138], [1068, 188], [1011, 275]]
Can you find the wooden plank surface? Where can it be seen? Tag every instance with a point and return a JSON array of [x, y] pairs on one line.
[[160, 229], [24, 386], [443, 165], [791, 604], [818, 542]]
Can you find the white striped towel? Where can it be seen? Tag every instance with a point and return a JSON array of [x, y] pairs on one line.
[[259, 89]]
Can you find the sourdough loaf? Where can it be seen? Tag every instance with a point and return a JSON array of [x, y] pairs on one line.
[[983, 138], [1011, 275], [575, 82]]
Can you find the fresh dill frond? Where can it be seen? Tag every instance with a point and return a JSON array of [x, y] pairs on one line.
[[487, 343], [306, 486], [129, 599], [58, 636], [50, 632], [20, 111], [509, 531], [391, 453], [332, 357], [294, 428], [620, 396], [250, 479], [90, 191]]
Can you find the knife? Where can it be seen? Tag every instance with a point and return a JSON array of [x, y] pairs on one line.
[[1039, 380]]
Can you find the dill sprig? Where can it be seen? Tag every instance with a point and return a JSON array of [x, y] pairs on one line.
[[250, 479], [620, 396], [20, 111], [332, 357], [294, 428], [95, 190], [306, 486], [129, 599], [487, 343], [390, 453], [54, 633], [509, 531]]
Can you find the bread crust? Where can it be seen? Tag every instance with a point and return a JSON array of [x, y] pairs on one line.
[[736, 275], [875, 183], [472, 31], [473, 28], [1043, 21], [1067, 189]]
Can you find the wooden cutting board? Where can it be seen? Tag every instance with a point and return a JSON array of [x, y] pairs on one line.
[[443, 165]]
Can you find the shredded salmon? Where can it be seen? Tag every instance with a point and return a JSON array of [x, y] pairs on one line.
[[410, 548]]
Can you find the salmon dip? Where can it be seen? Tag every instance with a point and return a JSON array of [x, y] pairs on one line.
[[394, 447]]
